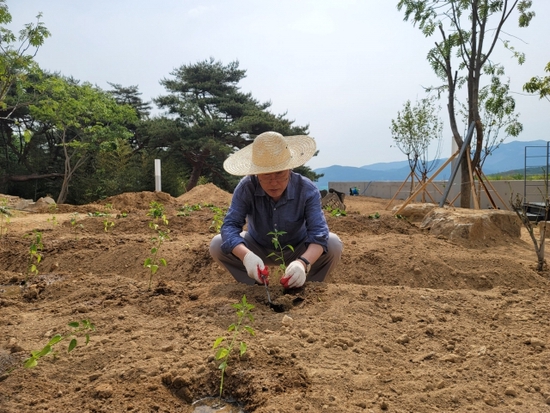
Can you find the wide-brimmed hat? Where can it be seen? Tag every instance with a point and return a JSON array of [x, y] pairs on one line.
[[271, 152]]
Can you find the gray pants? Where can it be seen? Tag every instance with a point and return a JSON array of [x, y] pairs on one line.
[[319, 269]]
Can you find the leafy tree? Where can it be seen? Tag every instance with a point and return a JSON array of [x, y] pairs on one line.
[[470, 31], [540, 85], [16, 55], [212, 118], [413, 131], [83, 120], [497, 113], [130, 95]]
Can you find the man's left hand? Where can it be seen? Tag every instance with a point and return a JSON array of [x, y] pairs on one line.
[[295, 275]]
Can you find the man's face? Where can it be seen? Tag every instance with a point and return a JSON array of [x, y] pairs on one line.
[[274, 184]]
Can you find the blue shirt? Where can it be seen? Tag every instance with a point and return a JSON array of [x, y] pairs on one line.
[[298, 213]]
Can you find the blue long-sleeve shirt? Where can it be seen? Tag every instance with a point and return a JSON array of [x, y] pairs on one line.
[[298, 213]]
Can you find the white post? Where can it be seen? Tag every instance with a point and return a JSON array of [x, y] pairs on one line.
[[157, 176]]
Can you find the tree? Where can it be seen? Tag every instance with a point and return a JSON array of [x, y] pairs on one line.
[[130, 95], [413, 132], [497, 113], [213, 118], [540, 85], [470, 31], [16, 55], [84, 120]]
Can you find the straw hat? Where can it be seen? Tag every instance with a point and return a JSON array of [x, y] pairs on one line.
[[271, 152]]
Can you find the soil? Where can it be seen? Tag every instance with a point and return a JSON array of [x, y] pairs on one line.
[[409, 321]]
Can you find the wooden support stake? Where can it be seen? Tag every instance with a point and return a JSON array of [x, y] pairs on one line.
[[401, 187], [472, 183], [415, 193]]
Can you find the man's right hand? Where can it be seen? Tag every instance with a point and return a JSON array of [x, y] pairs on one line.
[[255, 268]]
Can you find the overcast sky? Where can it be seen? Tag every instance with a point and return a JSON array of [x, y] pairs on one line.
[[345, 67]]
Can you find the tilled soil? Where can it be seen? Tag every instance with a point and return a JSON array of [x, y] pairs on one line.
[[408, 322]]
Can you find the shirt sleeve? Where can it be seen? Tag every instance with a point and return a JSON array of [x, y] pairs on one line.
[[235, 218], [316, 223]]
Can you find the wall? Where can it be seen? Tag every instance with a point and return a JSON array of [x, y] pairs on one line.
[[500, 191]]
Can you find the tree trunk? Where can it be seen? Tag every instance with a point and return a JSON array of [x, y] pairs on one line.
[[194, 178], [465, 189]]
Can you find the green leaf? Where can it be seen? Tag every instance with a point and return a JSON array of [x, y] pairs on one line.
[[30, 362], [74, 324], [55, 339], [242, 348], [44, 352], [87, 338], [250, 330], [27, 136], [218, 342], [223, 365], [221, 353], [231, 327], [72, 345]]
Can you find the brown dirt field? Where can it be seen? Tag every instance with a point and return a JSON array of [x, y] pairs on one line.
[[408, 322]]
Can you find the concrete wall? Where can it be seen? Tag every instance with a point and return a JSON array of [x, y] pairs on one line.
[[500, 191]]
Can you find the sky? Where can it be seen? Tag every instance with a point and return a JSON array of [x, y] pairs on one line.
[[343, 67]]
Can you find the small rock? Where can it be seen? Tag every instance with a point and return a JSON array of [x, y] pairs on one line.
[[451, 358], [510, 391], [396, 317], [535, 342], [103, 391], [94, 376], [287, 321], [490, 400]]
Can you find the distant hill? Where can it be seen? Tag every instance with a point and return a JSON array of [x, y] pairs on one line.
[[507, 157]]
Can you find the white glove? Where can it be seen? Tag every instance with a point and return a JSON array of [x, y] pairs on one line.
[[254, 267], [295, 275]]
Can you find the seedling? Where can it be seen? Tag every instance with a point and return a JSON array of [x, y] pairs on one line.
[[279, 254], [335, 212], [155, 261], [107, 223], [376, 215], [186, 210], [77, 328], [217, 221], [98, 214], [75, 225], [224, 352], [52, 208], [34, 255], [53, 220], [156, 211]]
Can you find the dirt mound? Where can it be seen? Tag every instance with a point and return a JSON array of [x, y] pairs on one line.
[[138, 200], [474, 227], [205, 194]]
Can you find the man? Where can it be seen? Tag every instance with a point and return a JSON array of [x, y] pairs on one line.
[[271, 197]]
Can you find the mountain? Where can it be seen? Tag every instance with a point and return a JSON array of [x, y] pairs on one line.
[[507, 157]]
